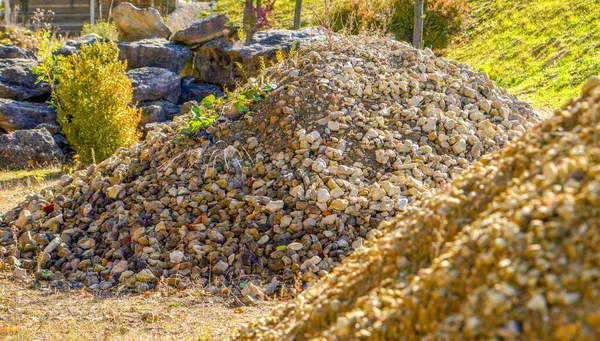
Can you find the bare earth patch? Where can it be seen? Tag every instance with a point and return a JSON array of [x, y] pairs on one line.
[[15, 185], [31, 312]]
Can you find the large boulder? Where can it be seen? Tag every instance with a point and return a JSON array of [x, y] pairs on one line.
[[153, 84], [157, 52], [136, 23], [73, 46], [15, 52], [215, 61], [192, 91], [24, 148], [16, 115], [202, 31], [160, 53], [17, 82], [157, 111]]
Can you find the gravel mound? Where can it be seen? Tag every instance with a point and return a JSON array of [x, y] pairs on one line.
[[511, 251], [348, 139]]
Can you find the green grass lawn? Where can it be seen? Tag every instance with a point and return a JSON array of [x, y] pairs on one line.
[[540, 50]]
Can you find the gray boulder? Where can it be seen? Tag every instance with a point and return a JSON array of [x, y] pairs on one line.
[[215, 60], [192, 91], [73, 46], [26, 147], [17, 82], [160, 53], [203, 31], [16, 115], [156, 52], [153, 84], [15, 52], [138, 23], [157, 111]]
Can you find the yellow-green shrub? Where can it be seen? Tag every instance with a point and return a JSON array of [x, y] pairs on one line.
[[93, 101], [104, 29]]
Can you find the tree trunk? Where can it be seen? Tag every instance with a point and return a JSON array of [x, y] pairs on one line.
[[297, 14], [7, 12], [258, 4], [418, 30], [248, 20]]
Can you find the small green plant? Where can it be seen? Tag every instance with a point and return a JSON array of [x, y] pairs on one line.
[[93, 101], [241, 33], [203, 15], [203, 117], [242, 70], [207, 112], [104, 29]]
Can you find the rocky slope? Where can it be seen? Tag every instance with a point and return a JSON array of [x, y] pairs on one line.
[[509, 252], [348, 139]]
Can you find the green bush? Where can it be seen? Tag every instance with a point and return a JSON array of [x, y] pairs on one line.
[[443, 18], [93, 101], [104, 29]]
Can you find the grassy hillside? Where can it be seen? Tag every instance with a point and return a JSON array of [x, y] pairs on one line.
[[541, 50]]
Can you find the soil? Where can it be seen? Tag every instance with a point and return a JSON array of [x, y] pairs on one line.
[[30, 311]]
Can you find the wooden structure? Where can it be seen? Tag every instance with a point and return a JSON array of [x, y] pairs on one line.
[[71, 15]]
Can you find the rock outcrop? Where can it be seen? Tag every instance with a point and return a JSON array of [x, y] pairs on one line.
[[192, 91], [135, 24], [18, 83], [15, 52], [159, 53], [15, 115], [215, 61], [157, 111], [27, 148], [203, 31], [153, 84]]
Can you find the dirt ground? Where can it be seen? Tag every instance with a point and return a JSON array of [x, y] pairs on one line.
[[29, 311]]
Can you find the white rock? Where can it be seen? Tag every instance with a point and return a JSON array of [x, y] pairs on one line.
[[119, 267], [460, 146], [537, 302], [333, 126], [377, 193], [295, 246], [176, 256], [329, 220], [323, 195], [275, 205]]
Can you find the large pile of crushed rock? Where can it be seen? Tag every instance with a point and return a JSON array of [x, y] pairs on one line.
[[348, 139], [511, 251]]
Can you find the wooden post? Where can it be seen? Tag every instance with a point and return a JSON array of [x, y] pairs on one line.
[[418, 30], [248, 20], [297, 14], [258, 4], [92, 12], [7, 12]]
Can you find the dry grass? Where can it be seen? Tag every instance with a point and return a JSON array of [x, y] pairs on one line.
[[30, 312], [15, 185]]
